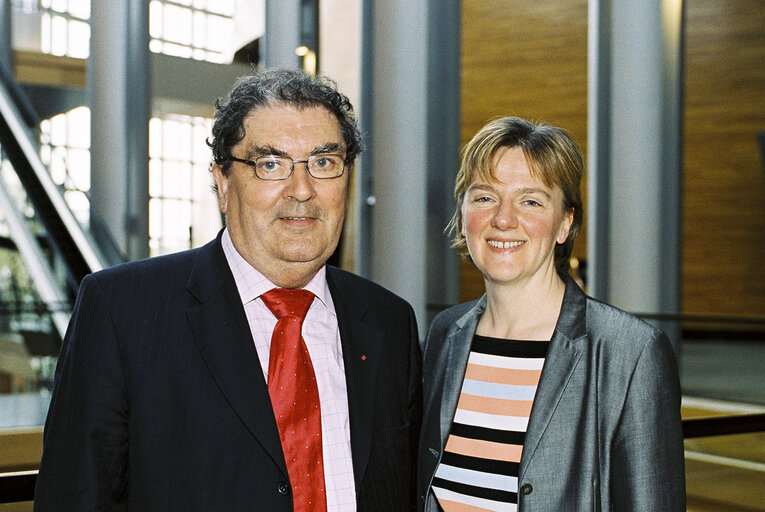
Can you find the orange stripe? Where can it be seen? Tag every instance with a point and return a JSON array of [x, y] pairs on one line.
[[484, 449], [495, 405], [453, 506], [503, 375]]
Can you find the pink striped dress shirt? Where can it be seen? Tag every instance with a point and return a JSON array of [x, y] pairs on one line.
[[322, 337]]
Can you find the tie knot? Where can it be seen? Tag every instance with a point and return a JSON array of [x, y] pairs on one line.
[[285, 302]]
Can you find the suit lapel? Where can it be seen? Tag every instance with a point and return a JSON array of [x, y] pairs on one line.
[[458, 343], [222, 334], [563, 355], [362, 344]]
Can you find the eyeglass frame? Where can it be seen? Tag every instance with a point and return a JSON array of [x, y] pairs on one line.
[[254, 165]]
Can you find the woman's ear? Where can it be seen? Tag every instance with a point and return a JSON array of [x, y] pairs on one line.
[[565, 226]]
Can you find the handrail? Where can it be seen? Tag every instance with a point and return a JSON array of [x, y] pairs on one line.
[[17, 486], [20, 486], [703, 318], [47, 286], [676, 317], [26, 110], [74, 244], [723, 425]]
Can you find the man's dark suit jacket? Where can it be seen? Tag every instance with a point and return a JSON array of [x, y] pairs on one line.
[[159, 401]]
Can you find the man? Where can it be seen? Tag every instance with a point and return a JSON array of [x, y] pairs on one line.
[[169, 393]]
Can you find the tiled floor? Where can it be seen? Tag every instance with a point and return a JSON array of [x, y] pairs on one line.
[[724, 473]]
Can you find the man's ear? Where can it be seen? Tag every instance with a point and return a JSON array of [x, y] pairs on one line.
[[221, 183]]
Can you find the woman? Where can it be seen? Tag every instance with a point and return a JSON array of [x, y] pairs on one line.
[[537, 397]]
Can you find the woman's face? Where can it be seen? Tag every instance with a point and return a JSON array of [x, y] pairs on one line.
[[512, 224]]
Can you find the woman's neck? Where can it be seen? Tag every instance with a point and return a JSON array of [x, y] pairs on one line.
[[523, 311]]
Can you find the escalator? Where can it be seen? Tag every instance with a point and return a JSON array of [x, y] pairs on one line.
[[57, 250]]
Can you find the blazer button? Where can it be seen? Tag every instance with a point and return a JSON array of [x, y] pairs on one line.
[[526, 489], [283, 488]]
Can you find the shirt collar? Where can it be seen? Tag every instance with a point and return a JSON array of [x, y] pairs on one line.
[[251, 284]]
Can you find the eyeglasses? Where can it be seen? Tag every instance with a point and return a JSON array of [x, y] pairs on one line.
[[274, 168]]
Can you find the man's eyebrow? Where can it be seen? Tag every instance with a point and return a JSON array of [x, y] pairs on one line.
[[256, 151], [329, 147]]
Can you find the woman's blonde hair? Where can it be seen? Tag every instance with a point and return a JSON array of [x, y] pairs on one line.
[[553, 158]]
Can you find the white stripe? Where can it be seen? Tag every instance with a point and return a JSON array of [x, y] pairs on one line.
[[495, 421], [497, 506], [725, 461], [512, 363], [477, 478]]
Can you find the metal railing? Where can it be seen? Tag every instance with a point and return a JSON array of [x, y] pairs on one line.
[[19, 486]]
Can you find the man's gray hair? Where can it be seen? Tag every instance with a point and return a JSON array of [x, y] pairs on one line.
[[272, 87]]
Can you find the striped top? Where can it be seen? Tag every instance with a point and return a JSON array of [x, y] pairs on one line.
[[479, 467]]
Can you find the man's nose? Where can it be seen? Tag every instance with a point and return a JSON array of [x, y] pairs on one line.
[[300, 184]]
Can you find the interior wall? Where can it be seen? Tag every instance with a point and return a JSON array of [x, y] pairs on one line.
[[724, 182], [530, 59], [526, 59]]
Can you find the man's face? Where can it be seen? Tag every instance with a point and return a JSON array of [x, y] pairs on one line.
[[285, 229]]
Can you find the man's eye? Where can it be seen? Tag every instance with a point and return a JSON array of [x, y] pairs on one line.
[[322, 162], [268, 165], [531, 202], [327, 162]]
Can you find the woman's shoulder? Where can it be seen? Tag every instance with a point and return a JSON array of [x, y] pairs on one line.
[[608, 317], [619, 330]]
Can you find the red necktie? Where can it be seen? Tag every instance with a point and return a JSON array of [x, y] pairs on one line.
[[295, 398]]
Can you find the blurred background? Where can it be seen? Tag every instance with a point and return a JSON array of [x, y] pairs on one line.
[[105, 106]]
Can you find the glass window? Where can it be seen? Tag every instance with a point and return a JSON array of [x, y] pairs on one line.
[[65, 149], [64, 27], [195, 29], [183, 210]]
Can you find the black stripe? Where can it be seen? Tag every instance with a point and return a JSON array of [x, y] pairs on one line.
[[509, 348], [499, 467], [488, 434], [478, 492]]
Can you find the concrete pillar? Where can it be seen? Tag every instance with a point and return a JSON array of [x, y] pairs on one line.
[[6, 39], [410, 111], [119, 98], [635, 138], [282, 33]]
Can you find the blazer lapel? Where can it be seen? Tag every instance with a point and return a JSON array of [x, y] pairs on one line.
[[361, 342], [563, 356], [223, 336], [458, 344]]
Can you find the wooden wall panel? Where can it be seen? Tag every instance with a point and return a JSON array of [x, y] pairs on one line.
[[527, 59], [530, 59], [724, 181]]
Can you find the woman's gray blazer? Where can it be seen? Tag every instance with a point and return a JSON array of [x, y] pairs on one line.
[[605, 431]]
